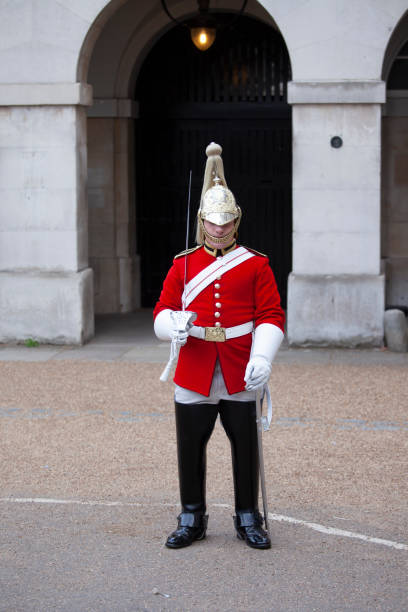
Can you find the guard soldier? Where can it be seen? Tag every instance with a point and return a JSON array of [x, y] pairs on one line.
[[225, 356]]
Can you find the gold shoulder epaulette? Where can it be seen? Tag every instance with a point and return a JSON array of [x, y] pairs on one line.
[[256, 252], [188, 251]]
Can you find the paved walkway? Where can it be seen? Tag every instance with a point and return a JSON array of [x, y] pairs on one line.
[[131, 338], [88, 484]]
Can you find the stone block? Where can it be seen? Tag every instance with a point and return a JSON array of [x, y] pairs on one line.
[[396, 106], [106, 284], [335, 310], [397, 234], [397, 281], [305, 65], [68, 27], [45, 94], [114, 107], [86, 10], [42, 176], [38, 209], [101, 241], [126, 284], [100, 136], [336, 206], [336, 253], [48, 39], [53, 308], [340, 92], [350, 167], [136, 283], [339, 42], [16, 25], [358, 124], [101, 202], [396, 330], [40, 127], [82, 248], [122, 239], [49, 250], [342, 210], [116, 284]]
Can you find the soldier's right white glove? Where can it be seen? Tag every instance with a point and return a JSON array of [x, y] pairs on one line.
[[173, 325], [166, 327], [267, 340], [179, 337]]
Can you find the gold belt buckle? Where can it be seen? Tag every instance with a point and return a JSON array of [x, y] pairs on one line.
[[215, 334]]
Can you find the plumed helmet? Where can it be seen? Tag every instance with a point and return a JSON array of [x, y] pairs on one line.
[[217, 203]]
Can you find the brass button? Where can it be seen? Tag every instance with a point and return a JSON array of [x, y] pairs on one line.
[[217, 285], [216, 295], [218, 324], [218, 304], [217, 315]]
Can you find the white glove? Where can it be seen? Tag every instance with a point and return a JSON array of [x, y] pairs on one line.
[[165, 327], [257, 372], [179, 337], [267, 340]]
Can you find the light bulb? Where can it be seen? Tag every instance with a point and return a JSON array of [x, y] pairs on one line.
[[202, 37]]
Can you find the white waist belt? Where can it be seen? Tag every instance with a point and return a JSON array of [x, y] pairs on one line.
[[220, 334]]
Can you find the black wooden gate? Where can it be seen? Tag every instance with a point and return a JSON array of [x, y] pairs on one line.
[[233, 94]]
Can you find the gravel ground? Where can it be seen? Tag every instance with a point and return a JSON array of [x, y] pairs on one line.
[[79, 430]]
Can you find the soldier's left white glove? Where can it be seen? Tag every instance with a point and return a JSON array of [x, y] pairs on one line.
[[267, 340]]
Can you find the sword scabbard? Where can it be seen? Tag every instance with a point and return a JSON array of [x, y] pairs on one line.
[[259, 428]]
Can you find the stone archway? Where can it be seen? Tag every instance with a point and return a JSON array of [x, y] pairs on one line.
[[118, 53], [394, 162], [234, 94], [48, 61]]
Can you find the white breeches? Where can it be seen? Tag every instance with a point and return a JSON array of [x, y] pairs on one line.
[[218, 392]]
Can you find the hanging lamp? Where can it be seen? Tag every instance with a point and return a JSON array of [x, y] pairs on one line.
[[203, 26]]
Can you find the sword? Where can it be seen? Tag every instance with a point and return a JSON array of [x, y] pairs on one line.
[[187, 235], [262, 425], [182, 319]]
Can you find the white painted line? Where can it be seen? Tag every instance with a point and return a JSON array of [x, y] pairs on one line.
[[77, 502], [332, 531]]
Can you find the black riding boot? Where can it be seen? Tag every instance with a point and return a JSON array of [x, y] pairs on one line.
[[239, 422], [194, 425]]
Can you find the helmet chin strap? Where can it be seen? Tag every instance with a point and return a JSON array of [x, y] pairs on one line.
[[223, 241]]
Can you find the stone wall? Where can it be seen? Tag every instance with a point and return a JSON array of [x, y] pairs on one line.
[[112, 227], [45, 283], [394, 243], [336, 290], [52, 50]]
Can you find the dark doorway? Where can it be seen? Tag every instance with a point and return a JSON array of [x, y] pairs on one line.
[[233, 94]]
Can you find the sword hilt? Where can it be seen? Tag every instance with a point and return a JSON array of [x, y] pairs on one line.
[[182, 321]]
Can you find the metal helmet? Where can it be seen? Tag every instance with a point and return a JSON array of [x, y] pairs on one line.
[[217, 203]]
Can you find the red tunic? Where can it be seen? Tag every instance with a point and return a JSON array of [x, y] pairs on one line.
[[248, 292]]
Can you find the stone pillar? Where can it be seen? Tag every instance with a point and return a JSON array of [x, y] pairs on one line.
[[112, 223], [395, 198], [336, 289], [45, 283]]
